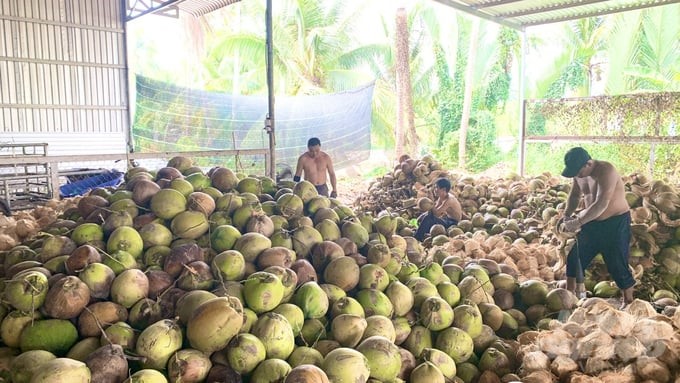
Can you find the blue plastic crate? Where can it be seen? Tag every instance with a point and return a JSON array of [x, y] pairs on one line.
[[110, 178]]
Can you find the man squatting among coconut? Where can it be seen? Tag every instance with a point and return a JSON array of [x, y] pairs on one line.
[[604, 222], [446, 211], [315, 163]]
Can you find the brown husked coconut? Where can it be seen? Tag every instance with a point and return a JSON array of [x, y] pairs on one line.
[[648, 330], [596, 365], [67, 298], [543, 376], [7, 242], [649, 368], [582, 378], [616, 323], [628, 348], [98, 316], [640, 309], [556, 342], [535, 361], [563, 365], [575, 329], [667, 351], [108, 364], [527, 338], [597, 344], [621, 376]]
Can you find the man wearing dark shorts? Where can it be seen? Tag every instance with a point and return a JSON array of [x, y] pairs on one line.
[[604, 223], [315, 164], [447, 210]]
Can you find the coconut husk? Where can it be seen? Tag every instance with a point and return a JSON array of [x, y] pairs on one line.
[[596, 345], [563, 365], [595, 366], [648, 330], [627, 349], [575, 329], [534, 361], [649, 368], [539, 377], [616, 323], [579, 377], [556, 342], [622, 376], [527, 338], [640, 309], [667, 351]]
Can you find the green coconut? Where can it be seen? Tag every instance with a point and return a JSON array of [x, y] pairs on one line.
[[229, 265], [147, 376], [214, 323], [375, 302], [303, 355], [53, 335], [127, 239], [250, 245], [304, 240], [348, 329], [189, 224], [442, 361], [245, 352], [62, 370], [155, 234], [167, 203], [436, 314], [305, 190], [345, 365], [347, 305], [86, 233], [276, 334], [356, 232], [456, 343], [262, 291], [25, 365], [129, 287], [533, 292], [384, 359], [294, 315], [27, 290], [373, 276], [189, 365], [468, 318], [270, 370], [311, 298], [426, 372], [158, 342]]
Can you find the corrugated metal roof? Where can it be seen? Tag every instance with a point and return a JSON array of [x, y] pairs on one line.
[[520, 14], [171, 8]]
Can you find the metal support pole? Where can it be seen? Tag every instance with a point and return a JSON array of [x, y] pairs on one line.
[[129, 144], [269, 121], [522, 104]]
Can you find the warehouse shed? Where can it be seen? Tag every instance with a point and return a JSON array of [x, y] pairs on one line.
[[64, 79]]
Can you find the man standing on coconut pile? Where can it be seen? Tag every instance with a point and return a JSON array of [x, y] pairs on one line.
[[446, 211], [315, 163], [603, 225]]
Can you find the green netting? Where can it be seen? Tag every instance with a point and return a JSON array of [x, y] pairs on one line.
[[173, 118]]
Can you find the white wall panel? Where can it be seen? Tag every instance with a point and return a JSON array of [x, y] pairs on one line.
[[63, 75]]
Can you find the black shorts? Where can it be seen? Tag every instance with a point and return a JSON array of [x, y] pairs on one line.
[[611, 238], [322, 189]]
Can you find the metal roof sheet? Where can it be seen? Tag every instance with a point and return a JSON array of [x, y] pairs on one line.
[[520, 14], [171, 8]]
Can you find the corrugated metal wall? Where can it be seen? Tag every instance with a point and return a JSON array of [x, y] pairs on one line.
[[63, 77]]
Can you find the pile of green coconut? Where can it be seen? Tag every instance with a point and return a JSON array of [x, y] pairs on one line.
[[182, 275]]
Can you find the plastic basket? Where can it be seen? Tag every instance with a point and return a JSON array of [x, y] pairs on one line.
[[109, 178]]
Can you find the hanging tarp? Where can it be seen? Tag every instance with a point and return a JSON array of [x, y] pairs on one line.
[[173, 118]]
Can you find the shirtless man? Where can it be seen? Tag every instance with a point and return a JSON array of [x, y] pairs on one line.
[[604, 222], [315, 163], [446, 211]]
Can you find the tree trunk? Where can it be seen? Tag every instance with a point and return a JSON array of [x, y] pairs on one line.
[[467, 93], [405, 140]]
